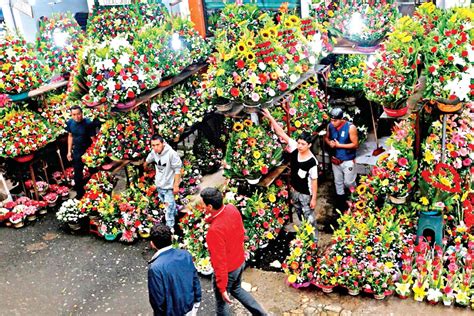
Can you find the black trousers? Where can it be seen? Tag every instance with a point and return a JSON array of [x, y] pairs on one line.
[[78, 166]]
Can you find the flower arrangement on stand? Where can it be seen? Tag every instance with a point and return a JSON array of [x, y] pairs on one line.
[[102, 181], [115, 73], [251, 151], [58, 40], [195, 227], [91, 201], [178, 109], [21, 70], [348, 73], [300, 264], [448, 65], [199, 47], [151, 12], [156, 49], [362, 22], [307, 110], [106, 23], [22, 133]]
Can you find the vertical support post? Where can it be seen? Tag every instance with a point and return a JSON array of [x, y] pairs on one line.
[[196, 10], [443, 139], [32, 174], [58, 151]]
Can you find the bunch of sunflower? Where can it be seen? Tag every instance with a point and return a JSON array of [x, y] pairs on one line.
[[348, 72], [251, 151]]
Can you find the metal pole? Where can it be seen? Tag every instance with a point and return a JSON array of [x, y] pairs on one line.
[[443, 139]]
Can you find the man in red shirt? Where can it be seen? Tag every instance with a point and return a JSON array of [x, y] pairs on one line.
[[225, 240]]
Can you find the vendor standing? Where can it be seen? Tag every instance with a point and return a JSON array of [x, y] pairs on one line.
[[304, 172], [81, 130], [342, 137]]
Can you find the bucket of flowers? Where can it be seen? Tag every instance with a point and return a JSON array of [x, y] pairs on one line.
[[129, 220], [70, 213], [18, 215], [109, 216], [59, 39], [300, 264], [251, 152], [328, 270], [389, 81], [51, 198]]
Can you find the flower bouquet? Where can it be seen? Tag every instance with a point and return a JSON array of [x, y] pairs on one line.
[[251, 151], [96, 154], [129, 220], [152, 12], [92, 201], [328, 271], [55, 113], [348, 73], [128, 137], [107, 23], [69, 212], [390, 80], [102, 181], [115, 73], [58, 40], [22, 132], [306, 110], [18, 215], [448, 59], [177, 110], [300, 264], [155, 46], [109, 215], [199, 47], [195, 227], [20, 69]]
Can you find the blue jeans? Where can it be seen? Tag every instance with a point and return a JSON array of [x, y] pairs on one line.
[[233, 287], [166, 196]]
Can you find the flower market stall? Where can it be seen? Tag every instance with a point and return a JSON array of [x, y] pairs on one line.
[[138, 70]]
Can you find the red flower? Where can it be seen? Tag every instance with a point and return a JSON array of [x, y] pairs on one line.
[[184, 109], [432, 69], [282, 86], [240, 64], [434, 49], [130, 94], [234, 92]]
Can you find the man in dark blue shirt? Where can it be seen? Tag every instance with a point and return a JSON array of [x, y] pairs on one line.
[[81, 130], [173, 284]]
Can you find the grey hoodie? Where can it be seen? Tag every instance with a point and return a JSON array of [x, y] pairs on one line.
[[168, 164]]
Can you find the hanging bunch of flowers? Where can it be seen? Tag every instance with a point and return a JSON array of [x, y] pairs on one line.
[[22, 132], [115, 73], [348, 72], [251, 151], [59, 39], [105, 23], [178, 109], [20, 69], [300, 265], [307, 109]]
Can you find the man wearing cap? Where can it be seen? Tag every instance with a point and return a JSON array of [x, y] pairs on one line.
[[342, 137]]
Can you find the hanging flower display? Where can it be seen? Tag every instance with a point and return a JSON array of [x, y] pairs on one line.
[[114, 73], [59, 39], [22, 132], [20, 69], [251, 151]]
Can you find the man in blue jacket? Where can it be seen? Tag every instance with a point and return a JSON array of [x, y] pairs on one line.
[[173, 284]]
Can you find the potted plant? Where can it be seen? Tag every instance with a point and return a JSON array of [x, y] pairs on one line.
[[71, 213]]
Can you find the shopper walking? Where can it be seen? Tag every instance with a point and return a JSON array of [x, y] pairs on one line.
[[168, 175], [225, 240], [342, 138], [81, 130], [173, 283], [304, 172]]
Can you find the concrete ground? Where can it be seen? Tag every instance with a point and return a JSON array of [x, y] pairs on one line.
[[46, 270]]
